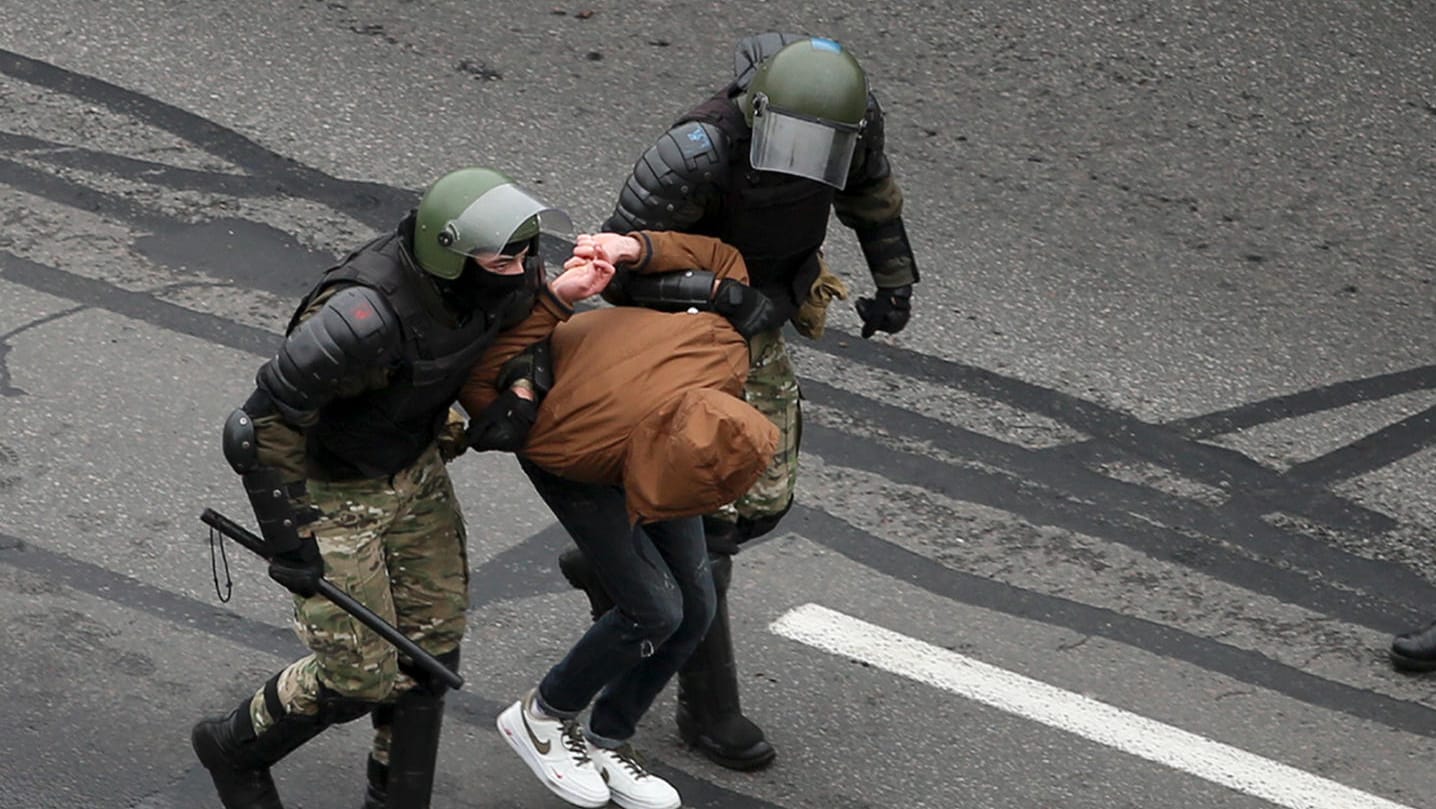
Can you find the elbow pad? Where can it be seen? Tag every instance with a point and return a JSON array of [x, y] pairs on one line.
[[672, 291], [353, 332], [750, 311]]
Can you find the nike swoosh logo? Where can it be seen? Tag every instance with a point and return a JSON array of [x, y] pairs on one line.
[[542, 747]]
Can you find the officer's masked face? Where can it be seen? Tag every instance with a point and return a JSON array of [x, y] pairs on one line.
[[508, 262], [502, 283]]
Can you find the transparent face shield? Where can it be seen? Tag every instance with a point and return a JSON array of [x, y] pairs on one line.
[[793, 143], [493, 220]]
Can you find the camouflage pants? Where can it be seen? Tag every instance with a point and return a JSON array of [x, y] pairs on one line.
[[772, 390], [397, 545]]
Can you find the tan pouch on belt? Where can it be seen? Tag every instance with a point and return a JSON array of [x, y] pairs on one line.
[[812, 316]]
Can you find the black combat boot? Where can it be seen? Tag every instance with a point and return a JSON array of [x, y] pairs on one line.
[[710, 717], [1415, 650], [239, 761], [376, 794], [414, 719], [576, 569], [376, 790]]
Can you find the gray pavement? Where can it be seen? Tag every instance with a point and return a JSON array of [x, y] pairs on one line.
[[1159, 434]]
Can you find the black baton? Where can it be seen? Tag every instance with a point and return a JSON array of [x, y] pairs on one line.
[[343, 601]]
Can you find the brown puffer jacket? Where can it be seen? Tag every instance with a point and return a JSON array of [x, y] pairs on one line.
[[646, 400]]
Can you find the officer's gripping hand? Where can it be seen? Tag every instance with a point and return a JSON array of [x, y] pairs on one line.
[[453, 438], [299, 570], [888, 310], [505, 424], [750, 311]]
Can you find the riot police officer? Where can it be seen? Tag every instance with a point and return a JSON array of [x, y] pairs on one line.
[[345, 425], [761, 164]]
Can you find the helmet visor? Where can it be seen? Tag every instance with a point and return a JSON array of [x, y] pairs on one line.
[[796, 144], [502, 215]]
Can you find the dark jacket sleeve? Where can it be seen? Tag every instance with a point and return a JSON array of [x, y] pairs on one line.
[[871, 204], [480, 390]]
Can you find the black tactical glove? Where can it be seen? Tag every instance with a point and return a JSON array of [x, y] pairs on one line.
[[888, 310], [534, 364], [750, 311], [299, 570], [503, 425]]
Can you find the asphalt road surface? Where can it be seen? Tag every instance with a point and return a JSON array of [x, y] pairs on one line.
[[1125, 518]]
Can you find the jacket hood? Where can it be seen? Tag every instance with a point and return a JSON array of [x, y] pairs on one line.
[[697, 451]]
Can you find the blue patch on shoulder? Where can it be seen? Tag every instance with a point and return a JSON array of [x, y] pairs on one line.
[[819, 43], [697, 141]]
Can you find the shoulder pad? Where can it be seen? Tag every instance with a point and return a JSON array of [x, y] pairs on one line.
[[696, 150], [873, 128], [751, 51], [355, 331], [672, 182], [869, 162]]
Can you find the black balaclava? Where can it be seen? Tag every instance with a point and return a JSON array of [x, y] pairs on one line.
[[507, 297]]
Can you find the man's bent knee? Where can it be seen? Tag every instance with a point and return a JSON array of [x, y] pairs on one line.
[[653, 624]]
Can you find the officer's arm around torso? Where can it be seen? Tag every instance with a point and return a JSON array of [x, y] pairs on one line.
[[479, 390]]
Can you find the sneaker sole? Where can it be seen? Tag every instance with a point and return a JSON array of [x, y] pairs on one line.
[[510, 731], [625, 802]]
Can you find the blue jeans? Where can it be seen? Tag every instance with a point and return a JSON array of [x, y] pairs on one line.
[[662, 589]]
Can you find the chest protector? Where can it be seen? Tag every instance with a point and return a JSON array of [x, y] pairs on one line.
[[777, 221], [380, 432]]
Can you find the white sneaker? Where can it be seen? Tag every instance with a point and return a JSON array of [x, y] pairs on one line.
[[632, 786], [556, 752]]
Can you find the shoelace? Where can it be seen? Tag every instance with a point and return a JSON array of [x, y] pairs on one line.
[[629, 758], [573, 741]]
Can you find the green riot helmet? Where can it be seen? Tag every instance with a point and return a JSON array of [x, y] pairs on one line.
[[807, 104], [474, 211]]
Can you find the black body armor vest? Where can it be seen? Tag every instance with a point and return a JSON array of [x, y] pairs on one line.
[[777, 221], [380, 432]]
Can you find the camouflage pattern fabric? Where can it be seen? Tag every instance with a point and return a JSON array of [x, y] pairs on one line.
[[772, 389], [398, 546]]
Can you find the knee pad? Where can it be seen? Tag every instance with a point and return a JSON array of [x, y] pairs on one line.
[[336, 709], [433, 685]]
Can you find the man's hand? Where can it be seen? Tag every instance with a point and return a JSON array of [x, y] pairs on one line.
[[505, 424], [750, 311], [299, 570], [582, 277], [888, 310], [614, 248]]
